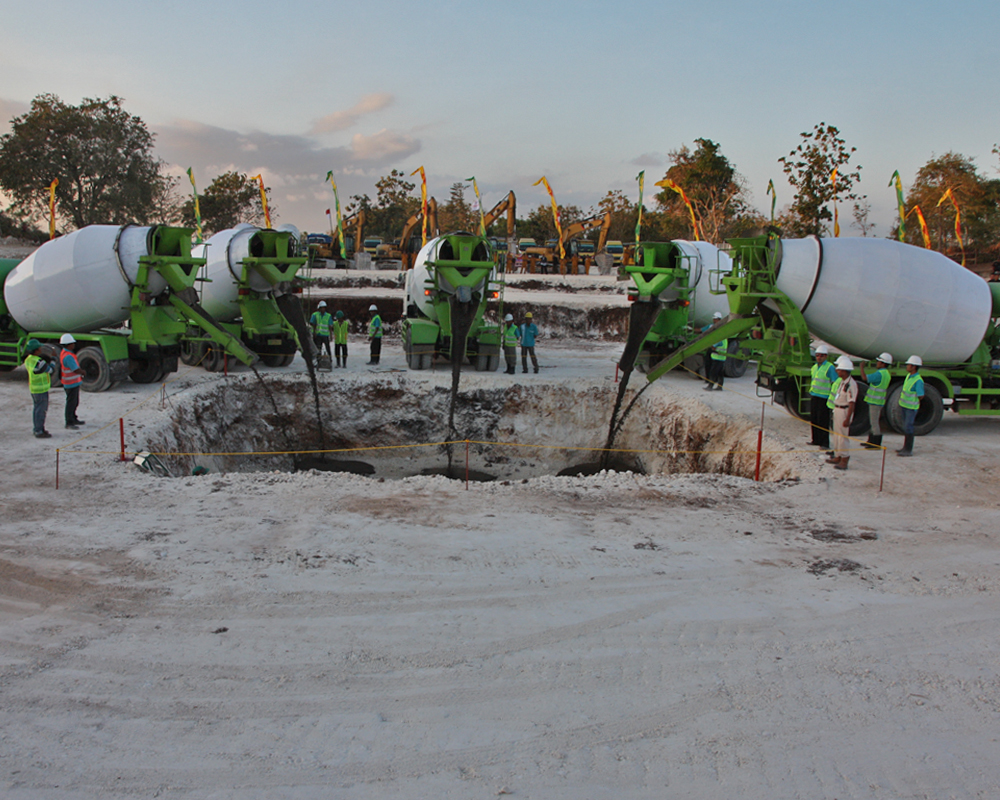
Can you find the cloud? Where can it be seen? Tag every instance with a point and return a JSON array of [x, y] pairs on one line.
[[8, 110], [383, 146], [648, 160], [341, 120]]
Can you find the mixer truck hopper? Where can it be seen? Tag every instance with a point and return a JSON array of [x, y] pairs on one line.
[[127, 293], [449, 288]]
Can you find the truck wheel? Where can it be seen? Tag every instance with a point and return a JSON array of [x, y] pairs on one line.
[[145, 370], [861, 423], [493, 363], [482, 362], [790, 400], [191, 352], [928, 415], [212, 362], [96, 372], [736, 364], [273, 359], [426, 361]]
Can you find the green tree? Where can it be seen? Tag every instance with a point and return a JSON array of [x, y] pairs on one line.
[[394, 204], [624, 214], [230, 199], [716, 190], [540, 226], [977, 198], [457, 213], [101, 155], [809, 168]]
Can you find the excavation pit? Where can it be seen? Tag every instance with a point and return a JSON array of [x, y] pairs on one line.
[[395, 426]]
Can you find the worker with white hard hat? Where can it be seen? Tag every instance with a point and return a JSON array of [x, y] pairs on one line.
[[845, 397], [375, 334], [715, 364], [823, 375], [875, 397], [71, 377], [321, 321], [909, 402], [511, 337]]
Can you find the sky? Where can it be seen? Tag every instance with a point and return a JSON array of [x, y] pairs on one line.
[[585, 93]]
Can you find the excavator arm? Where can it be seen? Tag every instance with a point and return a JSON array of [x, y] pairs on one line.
[[584, 225], [508, 204]]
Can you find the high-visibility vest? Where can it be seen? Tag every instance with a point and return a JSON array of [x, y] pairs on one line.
[[38, 382], [69, 380], [511, 335], [909, 398], [720, 350], [821, 379], [878, 386], [833, 392], [320, 321], [375, 327], [340, 331]]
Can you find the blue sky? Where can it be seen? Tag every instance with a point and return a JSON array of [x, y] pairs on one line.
[[583, 92]]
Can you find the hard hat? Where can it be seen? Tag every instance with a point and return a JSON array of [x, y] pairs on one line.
[[528, 315], [822, 350], [66, 338], [32, 345], [322, 304], [916, 360], [373, 307], [845, 363], [509, 318], [717, 315], [340, 315], [885, 358]]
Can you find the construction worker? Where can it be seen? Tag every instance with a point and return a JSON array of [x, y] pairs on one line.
[[72, 377], [823, 376], [845, 398], [320, 321], [529, 332], [878, 386], [511, 336], [375, 333], [340, 326], [39, 382], [909, 401], [715, 365]]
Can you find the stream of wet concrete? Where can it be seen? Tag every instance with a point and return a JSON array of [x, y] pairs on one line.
[[290, 306], [462, 317]]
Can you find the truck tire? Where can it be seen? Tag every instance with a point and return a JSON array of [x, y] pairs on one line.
[[482, 363], [273, 359], [861, 424], [146, 370], [213, 360], [736, 367], [191, 352], [96, 371], [426, 361], [928, 415]]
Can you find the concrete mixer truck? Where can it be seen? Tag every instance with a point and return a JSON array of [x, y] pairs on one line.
[[126, 292], [673, 299], [862, 296], [446, 294], [247, 285]]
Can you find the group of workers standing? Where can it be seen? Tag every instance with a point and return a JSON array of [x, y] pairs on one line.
[[523, 335], [326, 325], [41, 368], [832, 389]]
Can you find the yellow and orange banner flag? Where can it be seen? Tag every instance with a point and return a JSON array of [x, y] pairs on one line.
[[836, 215], [774, 197], [949, 195], [263, 200], [666, 183], [52, 208], [555, 214], [197, 208], [923, 225], [423, 203], [641, 177], [901, 203], [479, 206]]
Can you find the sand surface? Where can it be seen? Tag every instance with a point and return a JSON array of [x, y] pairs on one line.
[[317, 635]]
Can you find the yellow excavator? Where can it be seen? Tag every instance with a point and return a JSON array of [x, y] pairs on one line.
[[577, 253], [406, 248], [508, 204]]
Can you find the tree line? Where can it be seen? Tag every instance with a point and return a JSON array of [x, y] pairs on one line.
[[107, 173]]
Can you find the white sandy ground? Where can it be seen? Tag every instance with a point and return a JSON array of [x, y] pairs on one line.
[[319, 635]]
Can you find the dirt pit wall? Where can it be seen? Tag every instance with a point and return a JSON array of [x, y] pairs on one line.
[[398, 426]]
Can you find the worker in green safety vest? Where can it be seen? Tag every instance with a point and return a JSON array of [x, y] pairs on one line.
[[340, 327], [511, 337], [321, 320], [909, 401], [878, 389], [375, 334], [39, 382], [823, 375], [715, 366]]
